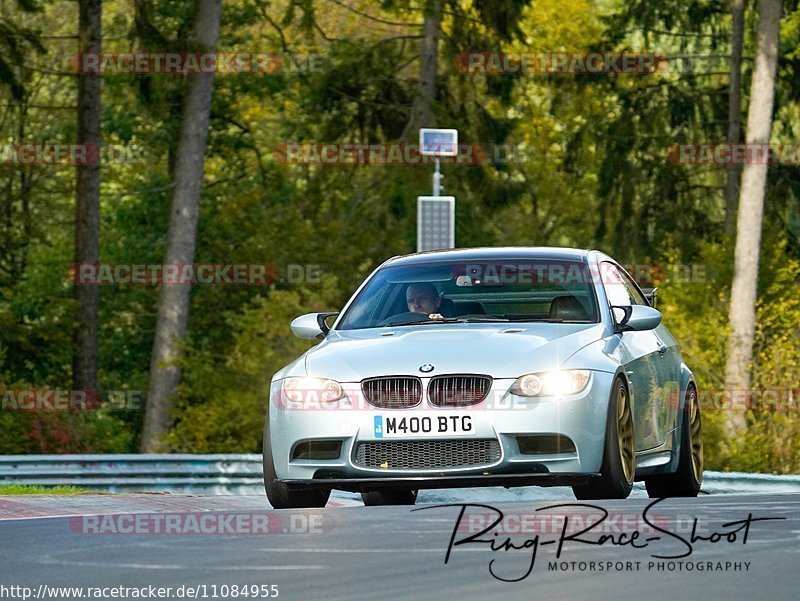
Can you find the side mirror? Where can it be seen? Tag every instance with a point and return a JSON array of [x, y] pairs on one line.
[[311, 326], [636, 318]]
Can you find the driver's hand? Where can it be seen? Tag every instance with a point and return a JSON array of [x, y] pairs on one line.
[[435, 316]]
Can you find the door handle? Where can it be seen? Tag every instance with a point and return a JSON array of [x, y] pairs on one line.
[[661, 349]]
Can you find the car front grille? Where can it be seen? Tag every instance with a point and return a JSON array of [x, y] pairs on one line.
[[427, 454], [394, 392], [459, 390]]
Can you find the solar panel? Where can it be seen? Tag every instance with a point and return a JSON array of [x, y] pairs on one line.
[[435, 222]]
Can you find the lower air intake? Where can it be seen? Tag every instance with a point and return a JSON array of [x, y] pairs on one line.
[[427, 454]]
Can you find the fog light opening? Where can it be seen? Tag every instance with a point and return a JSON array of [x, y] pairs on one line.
[[546, 444], [318, 449]]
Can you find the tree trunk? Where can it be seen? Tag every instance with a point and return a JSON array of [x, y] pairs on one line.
[[422, 114], [742, 314], [173, 303], [87, 201], [734, 111]]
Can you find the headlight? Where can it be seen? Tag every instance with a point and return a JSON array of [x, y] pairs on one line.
[[551, 383], [312, 390]]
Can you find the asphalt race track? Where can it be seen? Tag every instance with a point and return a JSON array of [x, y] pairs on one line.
[[347, 551]]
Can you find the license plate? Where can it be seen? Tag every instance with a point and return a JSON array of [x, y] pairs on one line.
[[410, 425]]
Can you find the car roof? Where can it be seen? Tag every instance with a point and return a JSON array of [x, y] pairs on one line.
[[492, 253]]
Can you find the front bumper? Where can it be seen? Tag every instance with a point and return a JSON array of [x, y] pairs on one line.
[[502, 417], [329, 480]]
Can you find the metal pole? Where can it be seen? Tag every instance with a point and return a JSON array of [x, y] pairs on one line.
[[437, 179]]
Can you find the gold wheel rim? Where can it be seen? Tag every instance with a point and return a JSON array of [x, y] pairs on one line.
[[625, 434], [695, 436]]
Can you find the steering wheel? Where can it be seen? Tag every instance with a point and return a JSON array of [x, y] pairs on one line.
[[405, 316]]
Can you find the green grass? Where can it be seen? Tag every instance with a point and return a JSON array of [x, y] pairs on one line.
[[22, 489]]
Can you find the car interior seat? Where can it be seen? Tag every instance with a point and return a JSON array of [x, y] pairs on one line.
[[468, 308], [568, 308]]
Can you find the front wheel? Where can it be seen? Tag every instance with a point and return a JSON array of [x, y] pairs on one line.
[[686, 480], [619, 453], [282, 496]]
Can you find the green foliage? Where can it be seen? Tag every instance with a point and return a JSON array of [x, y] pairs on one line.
[[697, 315], [223, 399], [63, 432], [17, 43], [589, 169], [21, 489]]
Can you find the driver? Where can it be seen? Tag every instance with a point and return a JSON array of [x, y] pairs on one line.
[[423, 298]]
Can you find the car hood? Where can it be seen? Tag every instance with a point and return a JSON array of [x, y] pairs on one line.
[[499, 350]]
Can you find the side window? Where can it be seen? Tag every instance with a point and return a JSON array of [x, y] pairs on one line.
[[637, 298], [614, 284], [620, 288]]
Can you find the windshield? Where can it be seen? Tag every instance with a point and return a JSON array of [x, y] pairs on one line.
[[513, 290]]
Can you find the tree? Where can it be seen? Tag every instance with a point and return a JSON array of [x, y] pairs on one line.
[[17, 44], [734, 110], [173, 304], [643, 199], [742, 313], [87, 201], [422, 114]]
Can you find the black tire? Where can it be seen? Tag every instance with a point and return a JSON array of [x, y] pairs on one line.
[[619, 453], [389, 497], [687, 479], [284, 497]]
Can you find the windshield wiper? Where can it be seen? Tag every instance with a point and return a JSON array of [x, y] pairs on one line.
[[481, 319], [549, 320], [447, 320], [414, 322]]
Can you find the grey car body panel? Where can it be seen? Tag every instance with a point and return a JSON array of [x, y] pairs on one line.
[[350, 356]]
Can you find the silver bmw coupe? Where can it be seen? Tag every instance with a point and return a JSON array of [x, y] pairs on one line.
[[485, 367]]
